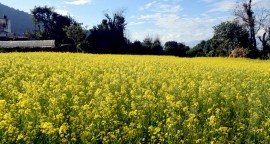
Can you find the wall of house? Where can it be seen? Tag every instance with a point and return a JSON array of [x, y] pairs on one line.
[[5, 27]]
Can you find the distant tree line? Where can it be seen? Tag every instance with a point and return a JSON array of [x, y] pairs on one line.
[[239, 34], [109, 36]]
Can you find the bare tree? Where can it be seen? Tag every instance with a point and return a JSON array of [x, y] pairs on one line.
[[246, 14], [255, 19], [264, 36], [118, 20]]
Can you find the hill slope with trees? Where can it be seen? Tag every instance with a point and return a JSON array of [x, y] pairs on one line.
[[21, 21]]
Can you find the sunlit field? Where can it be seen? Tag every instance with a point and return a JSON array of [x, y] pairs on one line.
[[84, 98]]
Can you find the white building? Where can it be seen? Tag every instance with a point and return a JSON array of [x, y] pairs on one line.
[[5, 27]]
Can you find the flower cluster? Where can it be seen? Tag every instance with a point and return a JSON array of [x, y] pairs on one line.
[[85, 98]]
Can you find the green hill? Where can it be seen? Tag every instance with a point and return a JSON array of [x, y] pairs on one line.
[[21, 21]]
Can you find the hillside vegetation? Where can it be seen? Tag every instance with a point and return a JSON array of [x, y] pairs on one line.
[[81, 98]]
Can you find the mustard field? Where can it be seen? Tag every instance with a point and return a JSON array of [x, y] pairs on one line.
[[85, 98]]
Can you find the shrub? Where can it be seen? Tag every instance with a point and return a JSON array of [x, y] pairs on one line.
[[239, 52], [84, 46]]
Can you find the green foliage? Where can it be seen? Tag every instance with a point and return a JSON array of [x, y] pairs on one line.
[[207, 48], [156, 48], [210, 54], [176, 49], [2, 50], [230, 35], [147, 44], [227, 36], [84, 46], [197, 51], [137, 48], [108, 37], [75, 32], [171, 47], [43, 15], [50, 24], [182, 49], [35, 35]]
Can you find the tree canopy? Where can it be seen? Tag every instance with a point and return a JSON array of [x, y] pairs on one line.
[[75, 32], [176, 49], [50, 24], [108, 37], [231, 35]]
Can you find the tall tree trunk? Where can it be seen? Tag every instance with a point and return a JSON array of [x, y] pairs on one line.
[[251, 23], [265, 46], [253, 39]]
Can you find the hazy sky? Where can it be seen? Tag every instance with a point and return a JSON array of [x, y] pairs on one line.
[[180, 20]]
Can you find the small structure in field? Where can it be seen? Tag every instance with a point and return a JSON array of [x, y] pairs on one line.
[[5, 27], [28, 44]]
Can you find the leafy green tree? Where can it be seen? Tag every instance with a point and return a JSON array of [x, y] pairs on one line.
[[147, 44], [231, 35], [50, 24], [227, 36], [43, 15], [76, 33], [137, 48], [171, 48], [197, 51], [156, 47], [59, 23], [208, 48], [176, 49], [182, 49], [108, 37], [212, 47]]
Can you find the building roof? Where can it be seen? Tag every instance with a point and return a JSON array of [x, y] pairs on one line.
[[28, 44]]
